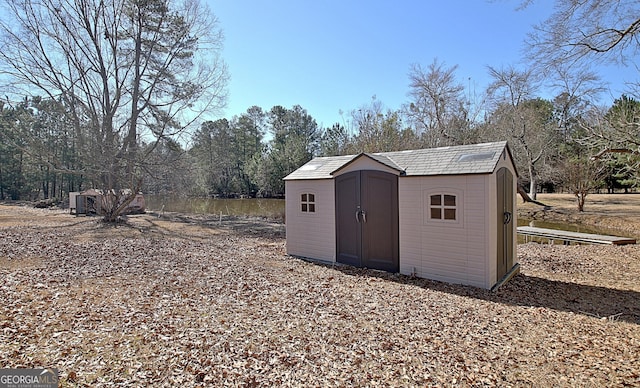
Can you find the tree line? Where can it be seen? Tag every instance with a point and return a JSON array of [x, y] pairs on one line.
[[558, 144], [115, 90]]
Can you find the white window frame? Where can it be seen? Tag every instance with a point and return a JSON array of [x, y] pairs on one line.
[[458, 207], [306, 204]]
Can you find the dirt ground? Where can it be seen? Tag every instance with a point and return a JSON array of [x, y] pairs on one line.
[[181, 300]]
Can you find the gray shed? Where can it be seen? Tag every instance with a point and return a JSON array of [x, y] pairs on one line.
[[444, 213]]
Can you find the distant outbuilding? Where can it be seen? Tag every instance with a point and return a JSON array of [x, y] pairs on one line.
[[444, 213], [93, 202]]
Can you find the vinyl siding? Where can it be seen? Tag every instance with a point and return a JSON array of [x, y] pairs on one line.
[[464, 252], [451, 252], [311, 235]]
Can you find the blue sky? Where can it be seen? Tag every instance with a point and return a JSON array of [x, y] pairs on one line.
[[334, 55]]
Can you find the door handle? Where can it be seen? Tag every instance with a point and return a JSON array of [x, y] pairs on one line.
[[364, 216], [507, 217], [357, 215]]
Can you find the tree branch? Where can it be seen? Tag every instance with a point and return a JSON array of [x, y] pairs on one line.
[[614, 150]]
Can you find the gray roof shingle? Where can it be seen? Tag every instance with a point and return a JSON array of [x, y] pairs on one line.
[[454, 160]]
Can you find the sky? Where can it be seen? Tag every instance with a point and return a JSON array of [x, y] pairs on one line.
[[333, 56]]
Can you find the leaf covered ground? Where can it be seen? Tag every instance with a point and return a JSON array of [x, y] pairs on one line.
[[187, 301]]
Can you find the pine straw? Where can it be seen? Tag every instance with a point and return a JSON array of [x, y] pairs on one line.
[[197, 304]]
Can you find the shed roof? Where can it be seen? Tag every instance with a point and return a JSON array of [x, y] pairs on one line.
[[454, 160]]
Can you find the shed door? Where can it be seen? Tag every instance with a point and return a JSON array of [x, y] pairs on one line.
[[505, 221], [367, 220], [81, 204]]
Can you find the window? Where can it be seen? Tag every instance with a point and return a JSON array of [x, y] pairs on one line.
[[308, 203], [443, 207], [476, 157]]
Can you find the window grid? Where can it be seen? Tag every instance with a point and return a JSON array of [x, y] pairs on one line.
[[442, 207], [308, 203]]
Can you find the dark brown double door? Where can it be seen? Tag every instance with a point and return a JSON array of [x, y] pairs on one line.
[[367, 220]]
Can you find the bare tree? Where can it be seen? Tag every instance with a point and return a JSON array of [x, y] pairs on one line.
[[577, 88], [526, 122], [581, 176], [579, 33], [130, 73], [615, 132], [438, 108], [367, 126], [587, 29], [511, 85]]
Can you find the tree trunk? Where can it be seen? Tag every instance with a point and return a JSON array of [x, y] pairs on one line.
[[54, 185], [581, 197], [532, 184], [526, 198]]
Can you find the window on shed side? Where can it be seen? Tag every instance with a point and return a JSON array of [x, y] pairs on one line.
[[308, 203], [443, 207]]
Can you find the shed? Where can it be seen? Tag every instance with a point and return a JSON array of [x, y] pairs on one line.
[[93, 202], [88, 202], [442, 213]]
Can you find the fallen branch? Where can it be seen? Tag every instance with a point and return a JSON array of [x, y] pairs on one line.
[[526, 198]]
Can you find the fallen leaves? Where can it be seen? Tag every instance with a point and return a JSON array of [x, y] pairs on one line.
[[230, 308]]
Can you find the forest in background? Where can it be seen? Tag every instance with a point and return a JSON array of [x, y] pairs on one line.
[[248, 155], [127, 115]]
